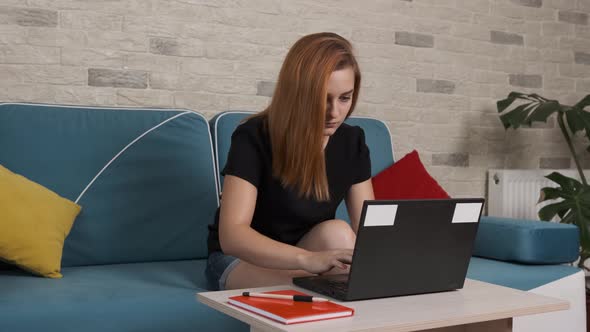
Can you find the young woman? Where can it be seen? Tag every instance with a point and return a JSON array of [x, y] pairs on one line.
[[288, 168]]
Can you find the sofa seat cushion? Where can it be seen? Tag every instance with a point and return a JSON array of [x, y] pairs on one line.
[[526, 241], [158, 296], [518, 276]]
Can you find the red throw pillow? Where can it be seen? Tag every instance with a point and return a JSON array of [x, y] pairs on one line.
[[407, 179]]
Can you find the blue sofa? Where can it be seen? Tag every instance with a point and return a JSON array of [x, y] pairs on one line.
[[148, 183]]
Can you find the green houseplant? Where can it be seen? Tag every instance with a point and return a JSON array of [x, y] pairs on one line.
[[573, 205]]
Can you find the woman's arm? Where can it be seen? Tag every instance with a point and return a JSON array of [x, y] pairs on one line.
[[238, 239], [355, 197]]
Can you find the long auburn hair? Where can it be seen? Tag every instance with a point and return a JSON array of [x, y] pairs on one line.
[[296, 115]]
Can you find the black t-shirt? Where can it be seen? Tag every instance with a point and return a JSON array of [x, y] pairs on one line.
[[280, 212]]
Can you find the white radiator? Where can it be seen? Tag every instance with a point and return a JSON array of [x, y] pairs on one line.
[[514, 193]]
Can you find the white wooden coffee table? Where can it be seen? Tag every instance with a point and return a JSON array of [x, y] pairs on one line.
[[479, 306]]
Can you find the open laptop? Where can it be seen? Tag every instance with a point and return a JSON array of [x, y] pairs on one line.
[[406, 247]]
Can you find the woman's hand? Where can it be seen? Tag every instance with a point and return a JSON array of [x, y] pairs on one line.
[[320, 262]]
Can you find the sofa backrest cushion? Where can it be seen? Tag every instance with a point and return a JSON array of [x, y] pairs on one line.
[[377, 137], [145, 178]]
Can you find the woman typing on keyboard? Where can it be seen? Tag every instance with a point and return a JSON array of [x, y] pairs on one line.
[[288, 169]]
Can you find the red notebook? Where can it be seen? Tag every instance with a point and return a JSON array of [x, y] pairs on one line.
[[291, 312]]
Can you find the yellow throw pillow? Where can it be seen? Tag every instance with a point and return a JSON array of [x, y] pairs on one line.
[[34, 222]]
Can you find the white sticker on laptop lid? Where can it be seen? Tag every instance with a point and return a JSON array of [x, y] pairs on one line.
[[380, 215], [466, 212]]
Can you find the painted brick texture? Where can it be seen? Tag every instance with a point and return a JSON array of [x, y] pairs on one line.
[[432, 70]]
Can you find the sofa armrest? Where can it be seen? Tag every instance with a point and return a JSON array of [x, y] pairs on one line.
[[526, 241]]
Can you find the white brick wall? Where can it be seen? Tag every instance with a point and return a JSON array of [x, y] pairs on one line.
[[433, 70]]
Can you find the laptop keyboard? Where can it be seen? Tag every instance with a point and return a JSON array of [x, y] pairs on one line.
[[332, 285], [338, 285]]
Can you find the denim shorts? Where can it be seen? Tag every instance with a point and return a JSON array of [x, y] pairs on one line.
[[218, 268]]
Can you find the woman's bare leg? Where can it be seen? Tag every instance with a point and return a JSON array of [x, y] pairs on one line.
[[328, 235], [331, 234]]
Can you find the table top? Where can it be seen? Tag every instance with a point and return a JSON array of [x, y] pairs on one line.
[[477, 301]]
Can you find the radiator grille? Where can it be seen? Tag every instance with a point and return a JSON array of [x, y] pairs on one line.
[[515, 193]]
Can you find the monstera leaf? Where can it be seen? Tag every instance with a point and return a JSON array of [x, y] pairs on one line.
[[573, 196], [578, 119], [533, 108], [573, 206]]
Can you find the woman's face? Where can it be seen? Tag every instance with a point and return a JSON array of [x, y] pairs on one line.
[[340, 89]]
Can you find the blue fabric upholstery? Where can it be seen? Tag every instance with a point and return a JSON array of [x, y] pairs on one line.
[[377, 137], [378, 140], [153, 202], [526, 241], [518, 276], [222, 126], [158, 296], [149, 209]]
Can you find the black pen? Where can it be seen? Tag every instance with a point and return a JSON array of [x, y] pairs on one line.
[[299, 298]]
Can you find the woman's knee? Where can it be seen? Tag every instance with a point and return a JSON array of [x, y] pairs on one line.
[[336, 234]]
